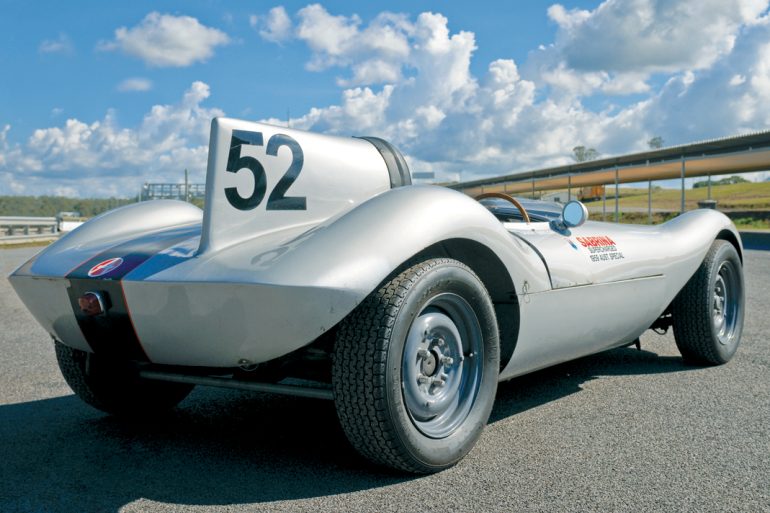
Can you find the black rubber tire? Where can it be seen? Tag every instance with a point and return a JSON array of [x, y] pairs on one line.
[[367, 370], [115, 387], [695, 333]]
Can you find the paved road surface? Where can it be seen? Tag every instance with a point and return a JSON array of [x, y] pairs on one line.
[[620, 431]]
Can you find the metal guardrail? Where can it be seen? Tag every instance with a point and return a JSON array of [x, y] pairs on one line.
[[14, 228]]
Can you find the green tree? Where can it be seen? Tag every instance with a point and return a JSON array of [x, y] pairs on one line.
[[49, 206], [724, 181], [583, 154], [655, 143]]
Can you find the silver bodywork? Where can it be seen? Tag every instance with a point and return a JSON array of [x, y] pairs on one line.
[[236, 286]]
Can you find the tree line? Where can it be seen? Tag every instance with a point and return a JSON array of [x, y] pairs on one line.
[[724, 181], [49, 206]]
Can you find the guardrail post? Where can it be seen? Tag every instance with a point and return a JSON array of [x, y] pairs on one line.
[[533, 185], [709, 181], [649, 202], [617, 194], [682, 184], [604, 202]]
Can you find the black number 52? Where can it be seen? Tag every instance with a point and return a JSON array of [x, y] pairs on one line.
[[278, 199]]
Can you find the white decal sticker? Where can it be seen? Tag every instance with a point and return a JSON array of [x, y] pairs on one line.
[[602, 248]]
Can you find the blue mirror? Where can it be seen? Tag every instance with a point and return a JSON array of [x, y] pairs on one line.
[[574, 214]]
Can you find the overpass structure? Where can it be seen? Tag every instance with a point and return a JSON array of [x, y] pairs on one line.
[[729, 155]]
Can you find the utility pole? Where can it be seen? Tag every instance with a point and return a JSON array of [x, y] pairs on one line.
[[186, 187]]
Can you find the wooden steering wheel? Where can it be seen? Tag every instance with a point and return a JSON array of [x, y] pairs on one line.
[[508, 198]]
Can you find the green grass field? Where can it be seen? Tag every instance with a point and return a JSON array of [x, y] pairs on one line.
[[740, 196], [748, 204]]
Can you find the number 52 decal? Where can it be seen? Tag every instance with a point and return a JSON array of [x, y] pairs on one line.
[[278, 199]]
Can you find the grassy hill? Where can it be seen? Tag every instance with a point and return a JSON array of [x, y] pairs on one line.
[[739, 196], [748, 204]]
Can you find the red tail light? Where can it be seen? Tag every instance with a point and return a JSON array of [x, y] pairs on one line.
[[92, 303]]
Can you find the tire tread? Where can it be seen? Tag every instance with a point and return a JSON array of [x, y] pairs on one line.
[[359, 377], [692, 315], [109, 387]]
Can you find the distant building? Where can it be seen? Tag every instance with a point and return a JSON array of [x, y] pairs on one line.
[[68, 221], [153, 191]]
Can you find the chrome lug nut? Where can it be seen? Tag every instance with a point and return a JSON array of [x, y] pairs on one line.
[[447, 360]]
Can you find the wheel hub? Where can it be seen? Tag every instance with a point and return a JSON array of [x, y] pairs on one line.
[[440, 365], [429, 360], [720, 297], [726, 303]]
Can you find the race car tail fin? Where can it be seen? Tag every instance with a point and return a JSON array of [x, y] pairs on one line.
[[262, 178]]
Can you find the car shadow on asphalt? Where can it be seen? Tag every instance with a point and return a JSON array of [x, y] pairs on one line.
[[541, 387], [225, 447]]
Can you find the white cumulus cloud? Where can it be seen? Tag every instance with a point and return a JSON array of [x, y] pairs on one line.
[[651, 35], [733, 96], [62, 45], [135, 85], [408, 79], [164, 40], [101, 158], [375, 53], [617, 47], [276, 26]]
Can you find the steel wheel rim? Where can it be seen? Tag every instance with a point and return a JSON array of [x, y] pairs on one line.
[[442, 365], [725, 303]]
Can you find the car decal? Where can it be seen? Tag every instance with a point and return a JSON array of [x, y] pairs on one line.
[[112, 333], [104, 267], [237, 161], [601, 247]]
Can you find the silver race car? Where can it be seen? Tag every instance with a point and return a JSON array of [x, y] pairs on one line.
[[317, 269]]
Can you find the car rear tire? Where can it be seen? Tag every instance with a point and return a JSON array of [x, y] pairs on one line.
[[415, 368], [114, 386], [708, 312]]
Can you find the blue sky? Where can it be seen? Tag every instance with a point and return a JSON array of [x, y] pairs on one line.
[[99, 98]]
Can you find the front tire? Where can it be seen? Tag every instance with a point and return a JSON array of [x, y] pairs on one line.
[[415, 368], [114, 386], [708, 312]]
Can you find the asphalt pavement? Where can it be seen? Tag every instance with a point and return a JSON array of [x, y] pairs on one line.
[[624, 430]]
